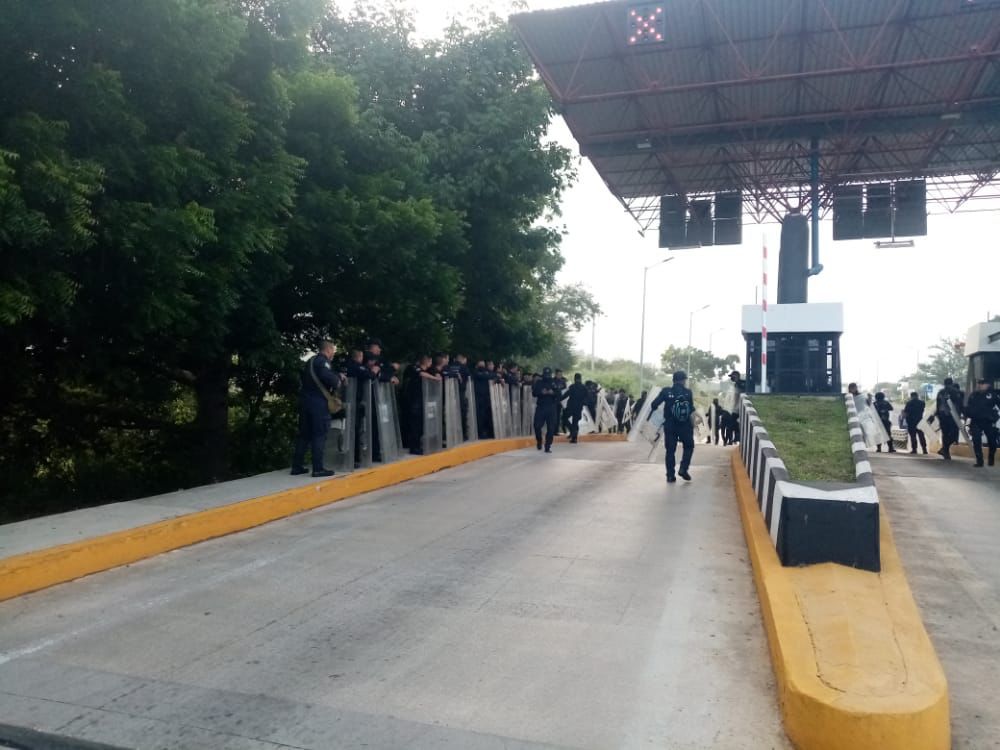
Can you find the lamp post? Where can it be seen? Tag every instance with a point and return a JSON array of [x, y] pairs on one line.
[[642, 335], [690, 332]]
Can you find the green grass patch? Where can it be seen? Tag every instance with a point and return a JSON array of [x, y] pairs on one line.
[[810, 435]]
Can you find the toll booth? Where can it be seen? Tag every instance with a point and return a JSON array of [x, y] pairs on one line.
[[982, 347], [803, 347]]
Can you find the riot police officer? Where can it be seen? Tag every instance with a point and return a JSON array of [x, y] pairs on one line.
[[914, 413], [576, 397], [983, 410], [882, 408], [949, 403], [318, 380], [678, 406], [561, 384], [547, 394]]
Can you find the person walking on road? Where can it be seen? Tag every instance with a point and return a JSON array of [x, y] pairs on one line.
[[983, 410], [678, 407], [948, 411], [547, 395], [883, 408], [576, 397], [319, 383], [914, 413]]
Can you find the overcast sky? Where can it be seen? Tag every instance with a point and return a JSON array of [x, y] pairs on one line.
[[897, 302]]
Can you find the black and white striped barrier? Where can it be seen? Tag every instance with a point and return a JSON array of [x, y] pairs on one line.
[[813, 522]]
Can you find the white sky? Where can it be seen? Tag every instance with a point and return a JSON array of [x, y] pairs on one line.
[[897, 302]]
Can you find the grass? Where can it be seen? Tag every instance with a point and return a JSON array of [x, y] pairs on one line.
[[810, 435]]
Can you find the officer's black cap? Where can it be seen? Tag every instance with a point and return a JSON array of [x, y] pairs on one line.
[[680, 376]]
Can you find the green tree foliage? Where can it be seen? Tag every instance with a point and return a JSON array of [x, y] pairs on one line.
[[947, 360], [192, 191], [699, 364]]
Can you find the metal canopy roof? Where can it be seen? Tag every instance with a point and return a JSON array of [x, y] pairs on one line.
[[735, 94]]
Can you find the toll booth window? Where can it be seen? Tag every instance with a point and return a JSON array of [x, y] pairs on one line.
[[646, 25]]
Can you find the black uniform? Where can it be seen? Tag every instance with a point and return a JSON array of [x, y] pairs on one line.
[[481, 380], [577, 394], [914, 413], [314, 413], [547, 394], [413, 398], [883, 408], [982, 411], [678, 407], [949, 427], [561, 384]]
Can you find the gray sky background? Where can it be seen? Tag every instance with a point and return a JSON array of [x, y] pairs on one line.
[[897, 302]]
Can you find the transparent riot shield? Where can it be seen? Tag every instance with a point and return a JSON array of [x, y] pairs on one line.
[[644, 427], [871, 426], [387, 413], [471, 411], [496, 409], [508, 423], [339, 454], [527, 411], [452, 414], [515, 411], [364, 424], [433, 394], [605, 414]]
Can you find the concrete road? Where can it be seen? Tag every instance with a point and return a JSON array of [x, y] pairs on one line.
[[524, 601], [946, 521]]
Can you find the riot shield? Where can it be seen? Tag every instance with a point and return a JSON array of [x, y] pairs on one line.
[[515, 410], [433, 397], [507, 414], [871, 426], [639, 425], [452, 414], [495, 407], [339, 454], [364, 424], [471, 411], [390, 442], [528, 406], [606, 421], [587, 426]]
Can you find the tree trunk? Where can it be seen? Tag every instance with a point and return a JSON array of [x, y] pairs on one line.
[[212, 439]]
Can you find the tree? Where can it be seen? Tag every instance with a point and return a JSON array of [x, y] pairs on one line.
[[699, 364], [193, 191], [947, 360], [565, 312]]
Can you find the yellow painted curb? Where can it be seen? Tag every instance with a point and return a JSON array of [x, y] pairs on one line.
[[855, 667], [32, 571]]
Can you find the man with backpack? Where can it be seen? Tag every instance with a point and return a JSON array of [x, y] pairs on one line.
[[678, 406]]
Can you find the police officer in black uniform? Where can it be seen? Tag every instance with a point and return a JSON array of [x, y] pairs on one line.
[[482, 378], [314, 411], [561, 384], [577, 397], [949, 427], [914, 413], [678, 406], [883, 408], [547, 394], [983, 410]]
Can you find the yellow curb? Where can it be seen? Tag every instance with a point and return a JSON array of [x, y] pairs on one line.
[[855, 667], [32, 571]]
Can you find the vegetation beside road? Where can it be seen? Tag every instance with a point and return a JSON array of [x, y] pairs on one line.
[[810, 434]]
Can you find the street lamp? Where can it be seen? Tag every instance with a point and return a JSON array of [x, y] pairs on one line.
[[691, 331], [642, 336]]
